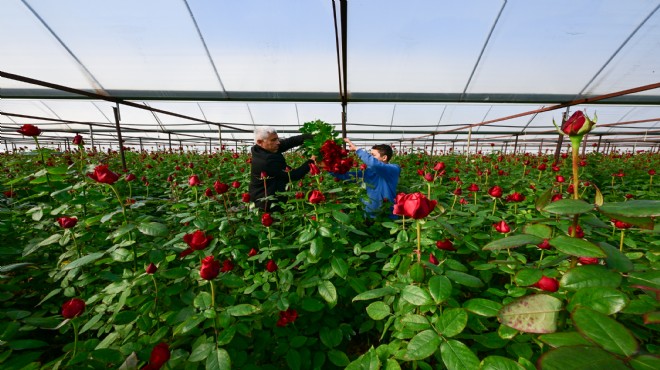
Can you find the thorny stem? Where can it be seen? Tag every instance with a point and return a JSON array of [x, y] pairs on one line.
[[575, 147], [419, 242]]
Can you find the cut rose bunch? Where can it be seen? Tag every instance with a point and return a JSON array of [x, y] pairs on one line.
[[335, 158]]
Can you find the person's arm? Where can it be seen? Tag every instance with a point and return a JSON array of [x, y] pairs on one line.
[[293, 141], [373, 163], [300, 172]]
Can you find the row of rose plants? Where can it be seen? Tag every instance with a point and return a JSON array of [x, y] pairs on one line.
[[497, 262]]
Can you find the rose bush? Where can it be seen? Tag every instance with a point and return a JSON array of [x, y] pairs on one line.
[[319, 288]]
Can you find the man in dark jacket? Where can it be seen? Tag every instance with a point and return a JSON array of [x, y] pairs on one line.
[[269, 166]]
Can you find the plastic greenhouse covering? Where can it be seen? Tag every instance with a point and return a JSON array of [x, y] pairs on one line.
[[428, 75]]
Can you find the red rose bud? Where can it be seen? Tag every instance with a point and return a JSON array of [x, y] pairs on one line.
[[556, 197], [245, 197], [316, 197], [363, 167], [458, 191], [652, 172], [266, 219], [197, 240], [463, 201], [473, 187], [577, 125], [67, 222], [253, 252], [227, 266], [570, 189], [439, 166], [194, 180], [515, 197], [159, 356], [210, 268], [208, 192], [263, 175], [300, 195], [560, 179], [170, 178], [542, 167], [579, 233], [547, 284], [629, 196], [428, 177], [78, 140], [313, 169], [73, 308], [545, 244], [129, 177], [414, 205], [495, 191], [502, 227], [420, 172], [271, 266], [235, 184], [622, 225], [220, 187], [29, 130], [433, 260], [151, 269], [287, 317], [588, 260], [445, 245], [103, 175], [556, 169]]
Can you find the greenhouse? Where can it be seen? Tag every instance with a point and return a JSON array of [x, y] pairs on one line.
[[511, 226]]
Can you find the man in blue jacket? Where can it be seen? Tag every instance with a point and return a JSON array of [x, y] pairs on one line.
[[380, 176]]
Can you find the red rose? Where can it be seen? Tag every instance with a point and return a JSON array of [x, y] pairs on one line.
[[29, 130], [414, 205], [439, 166], [547, 284], [556, 197], [286, 317], [579, 233], [67, 222], [313, 169], [159, 356], [502, 227], [227, 266], [433, 260], [208, 192], [588, 260], [458, 191], [363, 166], [577, 125], [210, 268], [103, 175], [130, 177], [197, 240], [428, 177], [151, 269], [271, 266], [194, 180], [220, 187], [300, 195], [245, 197], [542, 167], [266, 219], [316, 197], [545, 244], [622, 225], [560, 179], [495, 191], [515, 197], [652, 172], [252, 252], [73, 308], [473, 187], [235, 184], [78, 140]]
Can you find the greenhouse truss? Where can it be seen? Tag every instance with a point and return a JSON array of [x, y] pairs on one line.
[[422, 75]]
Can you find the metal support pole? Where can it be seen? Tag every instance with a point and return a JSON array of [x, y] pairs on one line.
[[141, 149], [515, 146], [506, 146], [169, 140], [180, 147], [560, 141], [584, 144], [541, 147], [432, 143], [6, 146], [91, 135], [121, 142]]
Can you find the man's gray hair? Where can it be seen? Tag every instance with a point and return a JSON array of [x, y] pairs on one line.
[[262, 132]]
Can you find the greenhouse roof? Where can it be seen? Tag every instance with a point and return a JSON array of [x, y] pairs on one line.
[[422, 73]]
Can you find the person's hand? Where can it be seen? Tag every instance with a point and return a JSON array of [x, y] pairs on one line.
[[351, 146], [313, 158]]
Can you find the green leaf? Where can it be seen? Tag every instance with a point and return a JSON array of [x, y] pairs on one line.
[[567, 338], [645, 362], [201, 352], [218, 360], [457, 356], [339, 266], [312, 305], [83, 261], [527, 277], [174, 273], [293, 360], [338, 358], [439, 288], [543, 199], [378, 310], [641, 222], [589, 276], [605, 331], [580, 358], [107, 355], [373, 247], [153, 229], [650, 279], [416, 295], [375, 293], [341, 217], [415, 322], [532, 314], [189, 324], [464, 279], [26, 344], [422, 345], [330, 337], [576, 247], [568, 207], [243, 310], [483, 307], [633, 208], [499, 363], [514, 241], [14, 266], [601, 299], [328, 291], [452, 322], [616, 260], [202, 301], [540, 230], [50, 240], [125, 317]]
